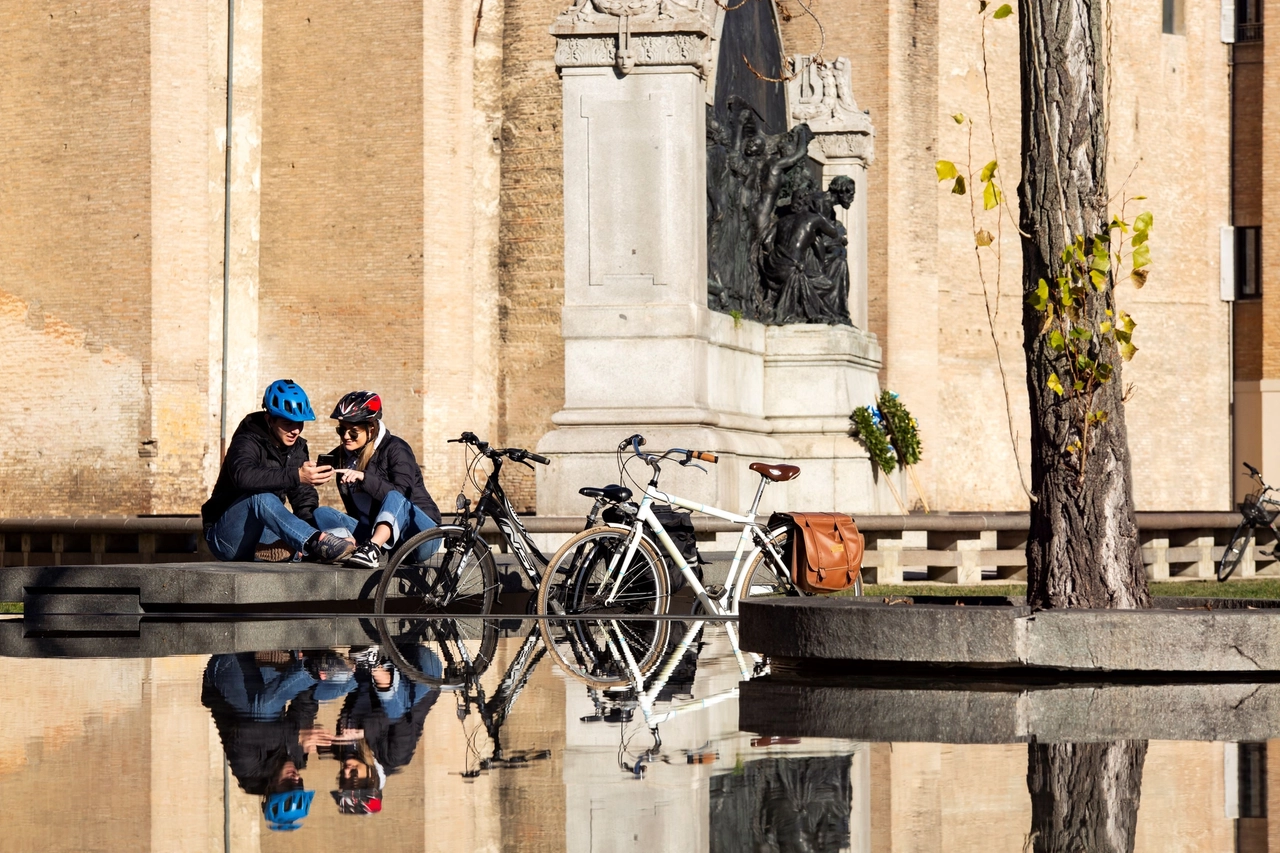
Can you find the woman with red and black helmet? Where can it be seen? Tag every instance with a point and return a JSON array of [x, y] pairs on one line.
[[379, 481]]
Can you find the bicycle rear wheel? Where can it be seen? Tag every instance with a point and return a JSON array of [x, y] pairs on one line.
[[441, 651], [768, 575], [444, 569], [1234, 553]]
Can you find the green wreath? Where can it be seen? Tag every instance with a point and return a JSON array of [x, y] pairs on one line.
[[869, 429], [903, 429]]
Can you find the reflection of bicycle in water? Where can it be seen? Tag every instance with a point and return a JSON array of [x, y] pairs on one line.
[[647, 691], [461, 651]]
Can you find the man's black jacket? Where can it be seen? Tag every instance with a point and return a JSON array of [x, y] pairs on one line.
[[255, 463], [392, 468]]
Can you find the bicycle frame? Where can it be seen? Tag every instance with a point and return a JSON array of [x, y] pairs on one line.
[[646, 699], [645, 517], [493, 504]]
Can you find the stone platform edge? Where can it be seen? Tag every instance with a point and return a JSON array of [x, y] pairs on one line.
[[811, 634]]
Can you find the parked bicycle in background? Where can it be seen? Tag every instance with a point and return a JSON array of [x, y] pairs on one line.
[[1256, 510]]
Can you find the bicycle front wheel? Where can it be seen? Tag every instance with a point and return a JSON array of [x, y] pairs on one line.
[[590, 575], [1235, 550], [441, 570]]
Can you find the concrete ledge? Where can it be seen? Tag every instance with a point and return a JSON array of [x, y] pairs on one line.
[[812, 634], [1000, 713], [193, 583]]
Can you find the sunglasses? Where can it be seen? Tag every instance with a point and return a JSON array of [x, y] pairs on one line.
[[348, 431]]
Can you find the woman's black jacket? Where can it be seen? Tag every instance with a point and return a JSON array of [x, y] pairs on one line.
[[392, 468], [255, 463]]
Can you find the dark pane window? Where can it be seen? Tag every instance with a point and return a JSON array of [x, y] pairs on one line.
[[1253, 779], [1171, 20], [1248, 262], [1248, 20]]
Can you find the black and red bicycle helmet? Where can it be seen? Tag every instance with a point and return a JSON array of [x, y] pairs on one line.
[[358, 407]]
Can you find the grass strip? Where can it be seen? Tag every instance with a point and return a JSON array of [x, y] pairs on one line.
[[1253, 588]]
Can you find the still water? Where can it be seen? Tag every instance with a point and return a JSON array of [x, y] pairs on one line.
[[346, 748]]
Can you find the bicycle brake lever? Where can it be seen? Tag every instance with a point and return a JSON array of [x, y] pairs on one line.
[[695, 465]]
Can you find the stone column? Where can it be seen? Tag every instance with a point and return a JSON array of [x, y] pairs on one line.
[[642, 351]]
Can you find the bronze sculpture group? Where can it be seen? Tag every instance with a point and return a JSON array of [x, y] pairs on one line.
[[776, 252]]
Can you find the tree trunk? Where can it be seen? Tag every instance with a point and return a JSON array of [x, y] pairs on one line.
[[1083, 548], [1084, 796]]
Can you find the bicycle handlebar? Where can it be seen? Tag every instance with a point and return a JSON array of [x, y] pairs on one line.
[[515, 454], [635, 442]]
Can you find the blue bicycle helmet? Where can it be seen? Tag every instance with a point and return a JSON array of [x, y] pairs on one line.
[[285, 398], [285, 810]]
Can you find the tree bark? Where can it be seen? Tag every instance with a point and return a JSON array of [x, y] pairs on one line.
[[1082, 548], [1084, 796]]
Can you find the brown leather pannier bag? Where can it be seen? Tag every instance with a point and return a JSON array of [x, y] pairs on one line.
[[826, 552]]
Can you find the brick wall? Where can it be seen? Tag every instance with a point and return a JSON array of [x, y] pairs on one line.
[[341, 278], [531, 242], [75, 254]]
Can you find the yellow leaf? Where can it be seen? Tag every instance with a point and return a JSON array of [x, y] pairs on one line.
[[987, 171], [1055, 384], [990, 195], [958, 118], [983, 237], [945, 169]]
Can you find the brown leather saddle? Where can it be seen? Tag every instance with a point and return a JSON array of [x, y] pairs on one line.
[[777, 473]]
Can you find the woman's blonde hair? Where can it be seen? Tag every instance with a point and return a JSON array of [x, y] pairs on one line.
[[366, 452]]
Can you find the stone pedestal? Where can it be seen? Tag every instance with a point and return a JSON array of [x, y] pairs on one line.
[[643, 353]]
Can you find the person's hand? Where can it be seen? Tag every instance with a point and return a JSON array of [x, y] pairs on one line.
[[312, 740], [314, 475], [351, 475], [348, 736]]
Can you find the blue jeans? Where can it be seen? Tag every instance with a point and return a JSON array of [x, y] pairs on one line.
[[404, 692], [403, 517], [257, 692], [257, 519]]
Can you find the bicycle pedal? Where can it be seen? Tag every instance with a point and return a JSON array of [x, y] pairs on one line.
[[714, 590], [1263, 553]]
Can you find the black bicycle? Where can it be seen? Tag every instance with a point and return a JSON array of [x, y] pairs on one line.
[[1257, 510], [450, 569]]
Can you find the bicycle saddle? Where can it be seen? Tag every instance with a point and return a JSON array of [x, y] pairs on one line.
[[777, 473], [617, 494]]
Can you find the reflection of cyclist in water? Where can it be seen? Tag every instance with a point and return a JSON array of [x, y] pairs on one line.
[[264, 706], [379, 728]]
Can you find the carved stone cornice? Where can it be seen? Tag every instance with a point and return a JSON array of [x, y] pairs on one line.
[[629, 33], [588, 51], [845, 145]]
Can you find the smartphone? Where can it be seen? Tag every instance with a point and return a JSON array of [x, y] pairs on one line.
[[330, 459]]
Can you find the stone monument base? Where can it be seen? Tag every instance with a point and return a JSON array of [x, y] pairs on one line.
[[759, 393]]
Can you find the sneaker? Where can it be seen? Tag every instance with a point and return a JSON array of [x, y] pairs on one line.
[[370, 657], [366, 556], [276, 552], [328, 548]]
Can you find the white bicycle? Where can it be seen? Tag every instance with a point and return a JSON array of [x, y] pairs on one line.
[[616, 571]]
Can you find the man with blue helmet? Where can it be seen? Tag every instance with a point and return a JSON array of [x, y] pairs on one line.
[[267, 463]]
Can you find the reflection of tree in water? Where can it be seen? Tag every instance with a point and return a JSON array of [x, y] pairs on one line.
[[782, 804], [1084, 796]]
